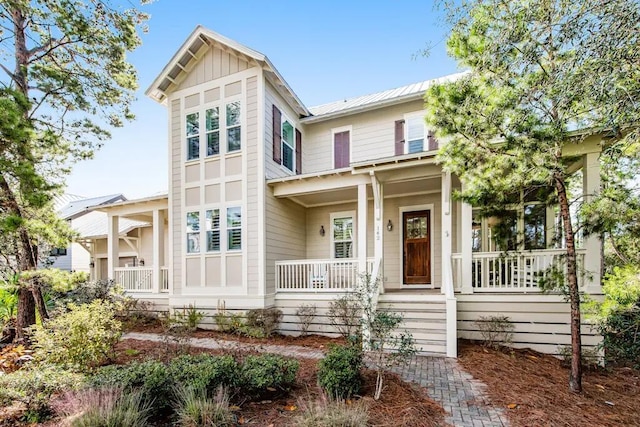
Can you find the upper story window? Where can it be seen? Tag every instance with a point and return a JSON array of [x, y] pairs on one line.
[[342, 235], [213, 131], [233, 127], [412, 135], [218, 122], [341, 147], [287, 142], [193, 136]]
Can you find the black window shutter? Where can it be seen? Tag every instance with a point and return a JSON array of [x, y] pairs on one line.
[[277, 135], [298, 152], [399, 137]]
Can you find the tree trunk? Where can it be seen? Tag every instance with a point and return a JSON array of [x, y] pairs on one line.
[[575, 377], [26, 256], [36, 291], [26, 317]]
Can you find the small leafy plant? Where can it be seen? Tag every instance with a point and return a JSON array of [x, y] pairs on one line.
[[339, 371], [345, 314], [268, 371], [265, 320], [189, 317], [306, 313], [496, 331]]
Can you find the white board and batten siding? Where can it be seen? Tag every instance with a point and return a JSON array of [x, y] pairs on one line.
[[541, 321]]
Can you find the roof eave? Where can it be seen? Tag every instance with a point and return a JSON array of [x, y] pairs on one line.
[[363, 108]]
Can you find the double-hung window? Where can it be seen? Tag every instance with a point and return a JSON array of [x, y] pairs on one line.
[[213, 230], [415, 134], [193, 232], [288, 144], [213, 131], [234, 142], [234, 228], [193, 136], [342, 235]]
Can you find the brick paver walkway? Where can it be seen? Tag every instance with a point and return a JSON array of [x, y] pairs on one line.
[[462, 397]]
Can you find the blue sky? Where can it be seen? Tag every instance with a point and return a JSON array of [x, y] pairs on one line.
[[326, 50]]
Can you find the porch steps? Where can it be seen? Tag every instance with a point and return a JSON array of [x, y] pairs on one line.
[[424, 317]]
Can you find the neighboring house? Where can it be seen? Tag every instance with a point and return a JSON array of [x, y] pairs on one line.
[[76, 210], [273, 204]]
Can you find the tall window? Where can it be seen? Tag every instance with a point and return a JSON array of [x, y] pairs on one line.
[[193, 232], [342, 236], [213, 230], [415, 134], [193, 136], [213, 131], [234, 142], [288, 144], [234, 228], [535, 226]]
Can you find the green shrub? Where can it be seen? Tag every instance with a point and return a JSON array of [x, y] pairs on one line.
[[345, 314], [189, 317], [617, 318], [495, 330], [266, 320], [339, 372], [151, 378], [205, 371], [108, 407], [194, 408], [332, 414], [81, 338], [229, 322], [267, 371], [87, 292], [35, 386]]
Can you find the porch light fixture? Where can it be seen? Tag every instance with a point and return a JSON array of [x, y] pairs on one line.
[[92, 263], [389, 226], [322, 230], [141, 262]]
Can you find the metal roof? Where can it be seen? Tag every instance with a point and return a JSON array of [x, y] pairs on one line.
[[95, 224], [79, 206], [387, 97]]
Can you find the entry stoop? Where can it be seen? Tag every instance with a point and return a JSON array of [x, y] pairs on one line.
[[424, 317]]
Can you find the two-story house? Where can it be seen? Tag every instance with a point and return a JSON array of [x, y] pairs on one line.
[[274, 204]]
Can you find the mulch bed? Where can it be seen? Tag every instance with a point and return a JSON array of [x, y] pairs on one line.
[[533, 388], [401, 404]]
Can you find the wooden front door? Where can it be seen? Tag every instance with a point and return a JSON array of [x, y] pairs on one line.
[[416, 237]]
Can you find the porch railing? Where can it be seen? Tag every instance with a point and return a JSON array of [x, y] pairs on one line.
[[517, 272], [164, 279], [138, 279], [318, 275]]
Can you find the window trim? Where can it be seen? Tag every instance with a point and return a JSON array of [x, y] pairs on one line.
[[188, 233], [334, 131], [226, 103], [354, 238], [207, 132]]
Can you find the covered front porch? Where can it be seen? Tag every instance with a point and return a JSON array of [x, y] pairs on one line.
[[136, 262]]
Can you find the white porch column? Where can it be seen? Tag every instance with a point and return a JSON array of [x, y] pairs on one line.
[[113, 244], [446, 229], [378, 225], [466, 228], [447, 274], [158, 248], [362, 228], [592, 244]]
